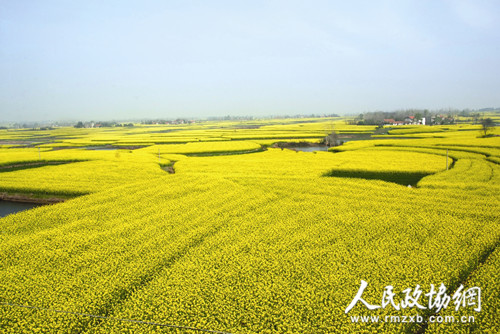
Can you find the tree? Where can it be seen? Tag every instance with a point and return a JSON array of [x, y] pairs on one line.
[[418, 117], [487, 124], [475, 117], [332, 139], [79, 125]]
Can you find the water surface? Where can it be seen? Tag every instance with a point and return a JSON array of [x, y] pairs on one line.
[[8, 207], [311, 148]]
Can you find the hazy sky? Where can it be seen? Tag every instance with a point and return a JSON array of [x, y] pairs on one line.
[[127, 59]]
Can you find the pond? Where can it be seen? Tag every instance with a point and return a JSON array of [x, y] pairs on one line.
[[101, 148], [8, 207], [311, 148]]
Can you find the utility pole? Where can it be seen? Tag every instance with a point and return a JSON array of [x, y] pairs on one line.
[[39, 157]]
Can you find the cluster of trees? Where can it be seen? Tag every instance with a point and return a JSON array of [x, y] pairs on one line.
[[250, 118], [93, 124], [33, 126], [230, 118], [163, 121]]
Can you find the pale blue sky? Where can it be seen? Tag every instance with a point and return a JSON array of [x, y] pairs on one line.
[[129, 59]]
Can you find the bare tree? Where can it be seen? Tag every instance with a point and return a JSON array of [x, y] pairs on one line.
[[332, 139]]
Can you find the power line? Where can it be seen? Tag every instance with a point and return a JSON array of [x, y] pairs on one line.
[[116, 319]]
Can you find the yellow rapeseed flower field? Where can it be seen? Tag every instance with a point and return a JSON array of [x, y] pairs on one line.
[[245, 238]]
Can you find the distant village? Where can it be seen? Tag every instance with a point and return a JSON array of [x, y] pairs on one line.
[[419, 117], [413, 120]]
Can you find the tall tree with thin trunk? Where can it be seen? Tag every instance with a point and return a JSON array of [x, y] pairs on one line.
[[487, 125]]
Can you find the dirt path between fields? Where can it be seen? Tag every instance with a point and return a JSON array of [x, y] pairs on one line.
[[25, 198], [30, 164]]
